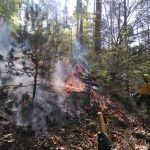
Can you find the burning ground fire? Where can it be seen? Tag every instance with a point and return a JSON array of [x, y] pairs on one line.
[[74, 82]]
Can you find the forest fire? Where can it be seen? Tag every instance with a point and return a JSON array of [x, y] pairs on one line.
[[74, 84], [100, 100], [62, 62], [74, 80]]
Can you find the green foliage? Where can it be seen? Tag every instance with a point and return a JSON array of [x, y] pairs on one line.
[[16, 22], [10, 9], [117, 67]]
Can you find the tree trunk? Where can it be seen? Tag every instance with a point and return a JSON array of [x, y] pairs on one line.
[[32, 14], [98, 21], [119, 25], [33, 104], [77, 12], [34, 85], [81, 25], [126, 46], [79, 33], [35, 78], [125, 23], [148, 25], [94, 12], [27, 7]]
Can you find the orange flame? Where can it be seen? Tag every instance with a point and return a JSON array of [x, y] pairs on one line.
[[73, 82]]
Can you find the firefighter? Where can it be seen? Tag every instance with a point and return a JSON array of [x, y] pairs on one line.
[[145, 90], [143, 93]]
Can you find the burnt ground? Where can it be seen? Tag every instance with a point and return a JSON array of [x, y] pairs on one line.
[[130, 134]]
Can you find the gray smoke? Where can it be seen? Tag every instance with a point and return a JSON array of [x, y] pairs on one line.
[[48, 106], [5, 36], [62, 71]]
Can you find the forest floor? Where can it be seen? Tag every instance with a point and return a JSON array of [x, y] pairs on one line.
[[78, 135]]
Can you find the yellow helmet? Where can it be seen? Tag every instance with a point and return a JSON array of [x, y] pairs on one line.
[[146, 78]]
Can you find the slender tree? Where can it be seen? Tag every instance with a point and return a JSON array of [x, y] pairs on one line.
[[98, 23], [79, 13]]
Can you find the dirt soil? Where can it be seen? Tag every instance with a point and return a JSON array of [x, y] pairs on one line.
[[129, 134]]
